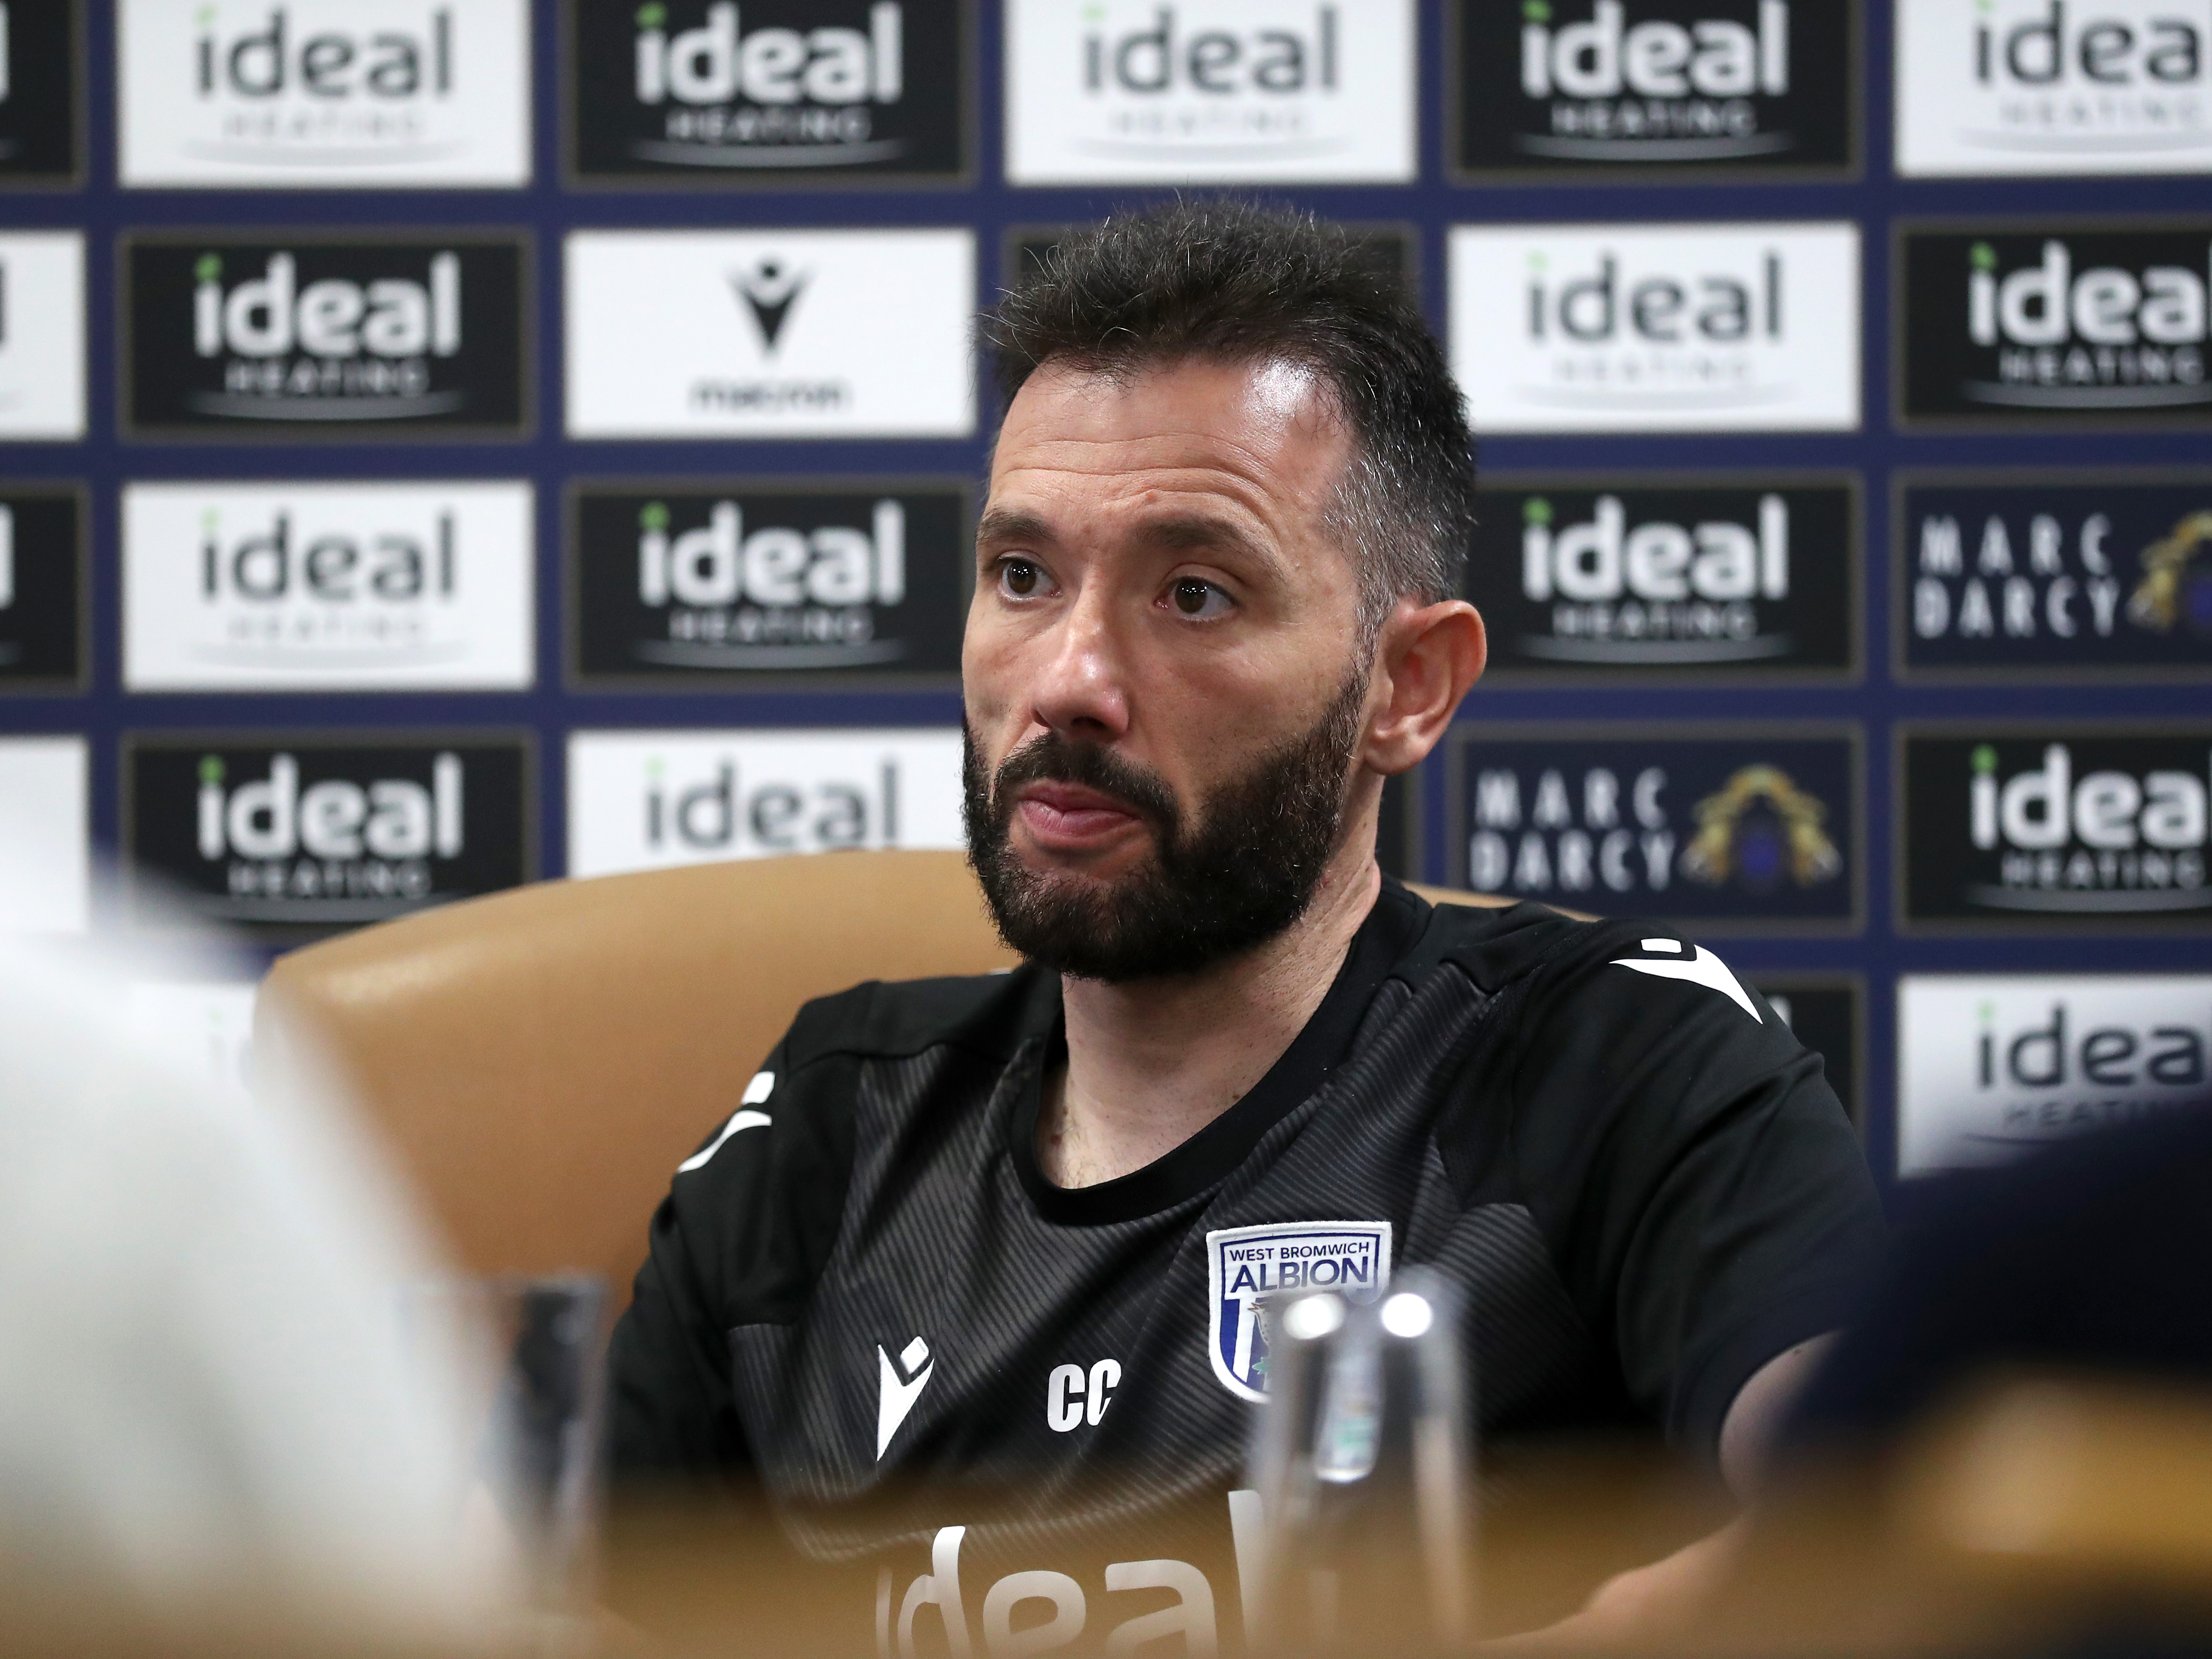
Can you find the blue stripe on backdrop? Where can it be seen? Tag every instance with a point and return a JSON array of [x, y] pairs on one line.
[[1873, 200]]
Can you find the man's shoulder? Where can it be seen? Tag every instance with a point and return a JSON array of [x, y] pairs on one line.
[[987, 1015], [1499, 946]]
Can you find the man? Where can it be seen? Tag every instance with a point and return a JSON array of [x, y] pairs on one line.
[[969, 1242]]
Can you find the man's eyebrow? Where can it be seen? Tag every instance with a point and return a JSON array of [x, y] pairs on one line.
[[1194, 531], [1001, 524]]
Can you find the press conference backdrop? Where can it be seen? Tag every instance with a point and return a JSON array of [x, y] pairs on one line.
[[445, 443]]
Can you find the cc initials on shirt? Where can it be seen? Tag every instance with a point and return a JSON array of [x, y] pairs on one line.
[[1066, 1404]]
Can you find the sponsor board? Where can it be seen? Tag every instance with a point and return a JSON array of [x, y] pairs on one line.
[[41, 93], [1675, 88], [297, 836], [642, 800], [42, 334], [1729, 830], [45, 839], [327, 587], [323, 95], [2065, 826], [1992, 1066], [2021, 574], [326, 334], [2072, 323], [44, 618], [790, 92], [1210, 91], [1389, 252], [205, 1025], [1826, 1012], [1657, 328], [788, 333], [2053, 86], [1661, 575], [745, 581]]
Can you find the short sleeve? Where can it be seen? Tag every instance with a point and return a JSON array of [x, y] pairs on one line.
[[1703, 1191]]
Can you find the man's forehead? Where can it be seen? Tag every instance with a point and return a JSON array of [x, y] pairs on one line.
[[1198, 426]]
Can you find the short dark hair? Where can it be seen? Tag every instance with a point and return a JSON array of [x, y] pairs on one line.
[[1236, 281]]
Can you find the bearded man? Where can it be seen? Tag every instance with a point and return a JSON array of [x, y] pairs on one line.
[[965, 1240]]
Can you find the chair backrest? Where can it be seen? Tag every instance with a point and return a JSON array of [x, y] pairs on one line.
[[539, 1061]]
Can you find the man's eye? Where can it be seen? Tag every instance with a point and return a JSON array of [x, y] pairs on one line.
[[1020, 577], [1194, 598]]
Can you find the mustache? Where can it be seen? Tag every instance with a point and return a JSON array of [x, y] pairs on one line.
[[1051, 758]]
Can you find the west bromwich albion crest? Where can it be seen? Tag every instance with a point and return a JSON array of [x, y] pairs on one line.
[[1245, 1264]]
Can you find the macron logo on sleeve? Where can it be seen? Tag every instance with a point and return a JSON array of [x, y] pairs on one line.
[[1704, 969], [757, 1090]]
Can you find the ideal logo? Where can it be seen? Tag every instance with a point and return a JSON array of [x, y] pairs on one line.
[[2113, 575], [314, 835], [39, 91], [1126, 91], [1762, 83], [41, 335], [336, 586], [793, 87], [1588, 328], [2085, 324], [788, 333], [1666, 576], [753, 581], [1993, 1066], [2053, 86], [641, 799], [325, 335], [2089, 826], [41, 589], [324, 92], [1711, 829]]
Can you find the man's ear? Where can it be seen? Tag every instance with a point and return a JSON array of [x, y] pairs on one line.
[[1428, 658]]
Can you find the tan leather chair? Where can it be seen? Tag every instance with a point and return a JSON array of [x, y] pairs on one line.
[[540, 1060]]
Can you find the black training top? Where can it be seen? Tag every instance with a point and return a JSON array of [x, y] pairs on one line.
[[1636, 1172]]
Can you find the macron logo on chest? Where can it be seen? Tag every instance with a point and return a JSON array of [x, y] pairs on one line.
[[899, 1385]]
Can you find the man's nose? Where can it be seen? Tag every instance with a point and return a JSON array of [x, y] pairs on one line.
[[1082, 687]]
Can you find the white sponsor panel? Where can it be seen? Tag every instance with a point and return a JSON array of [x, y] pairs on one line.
[[327, 587], [1990, 1065], [1210, 91], [2053, 86], [1657, 328], [770, 333], [45, 849], [207, 1025], [42, 334], [639, 800], [321, 95]]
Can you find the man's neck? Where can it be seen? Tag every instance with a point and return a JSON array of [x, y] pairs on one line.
[[1151, 1063]]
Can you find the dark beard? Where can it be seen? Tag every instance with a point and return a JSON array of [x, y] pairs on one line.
[[1244, 872]]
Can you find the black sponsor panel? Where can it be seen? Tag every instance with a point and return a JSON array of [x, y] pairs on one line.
[[42, 588], [744, 581], [1391, 253], [2064, 827], [1552, 89], [2069, 323], [1752, 830], [299, 836], [1824, 1013], [1630, 578], [41, 91], [802, 91], [2014, 575], [325, 336]]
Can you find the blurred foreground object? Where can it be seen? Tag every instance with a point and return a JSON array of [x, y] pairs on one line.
[[1359, 1466], [207, 1414]]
